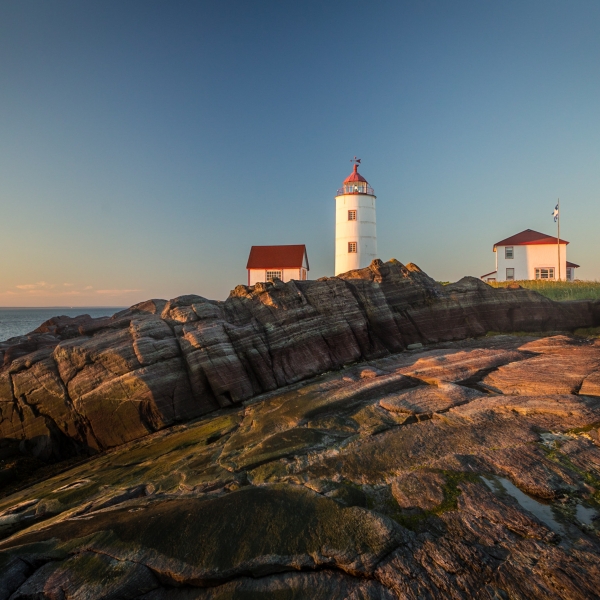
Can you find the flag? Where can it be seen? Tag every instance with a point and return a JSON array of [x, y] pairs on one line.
[[555, 213]]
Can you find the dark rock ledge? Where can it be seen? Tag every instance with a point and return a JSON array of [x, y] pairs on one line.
[[85, 385]]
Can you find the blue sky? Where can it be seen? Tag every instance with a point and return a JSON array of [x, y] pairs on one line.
[[145, 146]]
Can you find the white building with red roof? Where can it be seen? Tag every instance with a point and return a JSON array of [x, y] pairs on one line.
[[355, 223], [531, 255], [266, 263]]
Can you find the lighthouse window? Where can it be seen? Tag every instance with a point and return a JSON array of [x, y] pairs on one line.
[[273, 275], [351, 215], [351, 246]]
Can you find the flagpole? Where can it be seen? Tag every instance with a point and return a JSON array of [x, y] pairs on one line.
[[558, 238]]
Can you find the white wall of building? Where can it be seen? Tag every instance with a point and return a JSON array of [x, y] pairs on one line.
[[363, 231], [260, 275], [529, 257]]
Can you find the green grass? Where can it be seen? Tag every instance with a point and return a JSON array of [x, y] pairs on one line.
[[415, 519], [562, 459], [558, 290]]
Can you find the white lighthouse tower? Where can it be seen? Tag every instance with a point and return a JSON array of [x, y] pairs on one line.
[[355, 226]]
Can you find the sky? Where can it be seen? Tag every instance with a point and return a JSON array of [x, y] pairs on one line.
[[146, 145]]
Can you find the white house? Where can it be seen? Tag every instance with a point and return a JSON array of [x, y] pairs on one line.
[[531, 255], [266, 263], [355, 223]]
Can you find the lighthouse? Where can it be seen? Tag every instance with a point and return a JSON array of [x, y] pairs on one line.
[[355, 226]]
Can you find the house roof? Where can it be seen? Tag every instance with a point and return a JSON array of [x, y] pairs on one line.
[[279, 257], [355, 176], [572, 265], [490, 273], [529, 237]]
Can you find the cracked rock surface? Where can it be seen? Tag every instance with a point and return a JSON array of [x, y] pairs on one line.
[[432, 473]]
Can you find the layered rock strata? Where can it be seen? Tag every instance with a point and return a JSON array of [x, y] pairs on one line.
[[454, 471], [85, 385]]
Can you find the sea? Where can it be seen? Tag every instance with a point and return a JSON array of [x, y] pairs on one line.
[[19, 321]]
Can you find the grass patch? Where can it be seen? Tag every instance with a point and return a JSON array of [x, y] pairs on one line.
[[557, 290], [415, 519], [588, 332], [536, 334], [585, 429], [555, 455]]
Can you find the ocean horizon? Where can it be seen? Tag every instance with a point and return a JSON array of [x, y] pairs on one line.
[[17, 320]]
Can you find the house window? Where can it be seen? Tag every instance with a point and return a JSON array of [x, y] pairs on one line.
[[508, 252], [351, 215], [544, 273], [510, 274], [351, 246], [570, 274], [273, 275]]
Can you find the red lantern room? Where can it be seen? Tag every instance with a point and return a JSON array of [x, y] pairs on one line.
[[355, 183]]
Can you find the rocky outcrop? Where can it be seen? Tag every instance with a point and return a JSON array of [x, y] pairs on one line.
[[85, 385], [408, 476]]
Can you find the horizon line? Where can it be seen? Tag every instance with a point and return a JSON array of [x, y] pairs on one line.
[[64, 306]]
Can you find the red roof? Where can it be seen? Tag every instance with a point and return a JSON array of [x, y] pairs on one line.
[[529, 237], [355, 176], [490, 273], [280, 257], [572, 265]]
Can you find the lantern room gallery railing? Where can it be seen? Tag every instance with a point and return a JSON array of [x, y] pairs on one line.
[[358, 188]]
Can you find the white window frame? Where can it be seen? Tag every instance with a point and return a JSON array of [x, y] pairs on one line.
[[352, 247], [510, 277], [570, 276], [272, 274], [509, 252], [351, 215], [550, 273]]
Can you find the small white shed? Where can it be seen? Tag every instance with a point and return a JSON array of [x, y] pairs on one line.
[[266, 263]]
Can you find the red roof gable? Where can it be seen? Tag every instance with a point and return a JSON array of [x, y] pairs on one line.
[[490, 273], [280, 257], [528, 237], [354, 176]]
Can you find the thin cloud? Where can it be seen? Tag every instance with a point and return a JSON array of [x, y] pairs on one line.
[[40, 285], [43, 289], [115, 292]]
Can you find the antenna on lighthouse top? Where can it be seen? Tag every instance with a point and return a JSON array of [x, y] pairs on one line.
[[355, 161]]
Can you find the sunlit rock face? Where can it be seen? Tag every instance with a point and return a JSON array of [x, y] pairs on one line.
[[456, 470], [84, 385]]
